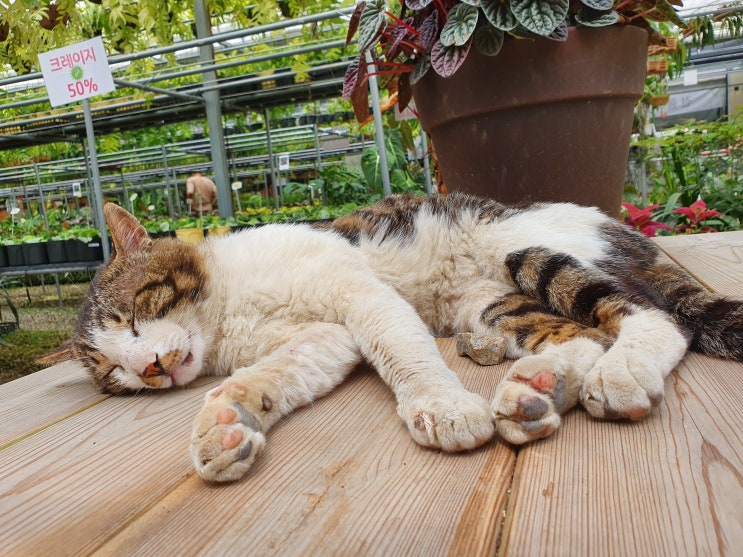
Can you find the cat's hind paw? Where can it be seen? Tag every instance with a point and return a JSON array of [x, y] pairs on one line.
[[615, 390], [452, 422], [529, 400], [225, 442]]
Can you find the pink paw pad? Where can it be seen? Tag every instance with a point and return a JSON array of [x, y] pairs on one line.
[[232, 439], [544, 382], [226, 416]]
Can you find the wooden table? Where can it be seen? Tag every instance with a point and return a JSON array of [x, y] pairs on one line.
[[82, 473]]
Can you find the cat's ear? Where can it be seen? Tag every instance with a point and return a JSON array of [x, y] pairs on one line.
[[127, 234], [61, 354]]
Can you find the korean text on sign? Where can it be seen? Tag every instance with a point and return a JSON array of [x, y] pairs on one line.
[[68, 60], [76, 72]]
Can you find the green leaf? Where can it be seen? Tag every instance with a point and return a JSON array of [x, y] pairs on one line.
[[540, 16], [664, 11], [460, 24], [595, 18], [372, 23], [601, 5], [417, 4], [489, 40], [499, 14], [370, 167], [420, 69], [447, 59]]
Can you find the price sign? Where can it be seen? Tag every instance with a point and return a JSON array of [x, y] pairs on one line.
[[76, 190], [76, 72], [283, 161]]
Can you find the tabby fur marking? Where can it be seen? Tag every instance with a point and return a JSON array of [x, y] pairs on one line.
[[586, 307]]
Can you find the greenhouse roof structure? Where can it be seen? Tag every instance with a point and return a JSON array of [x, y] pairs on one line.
[[170, 94]]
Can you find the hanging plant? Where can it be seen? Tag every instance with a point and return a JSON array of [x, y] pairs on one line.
[[53, 17]]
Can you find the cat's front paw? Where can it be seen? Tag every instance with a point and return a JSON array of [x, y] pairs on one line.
[[226, 438], [452, 421], [529, 400]]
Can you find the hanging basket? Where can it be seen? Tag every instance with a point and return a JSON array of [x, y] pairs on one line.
[[657, 67], [659, 100]]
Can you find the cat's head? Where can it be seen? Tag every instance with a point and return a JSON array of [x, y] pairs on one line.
[[141, 324]]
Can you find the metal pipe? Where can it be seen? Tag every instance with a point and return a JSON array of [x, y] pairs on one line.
[[213, 113], [202, 41], [378, 126]]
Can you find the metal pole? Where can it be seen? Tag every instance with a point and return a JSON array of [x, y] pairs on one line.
[[426, 162], [97, 194], [166, 176], [271, 164], [42, 203], [378, 127], [317, 147], [213, 113]]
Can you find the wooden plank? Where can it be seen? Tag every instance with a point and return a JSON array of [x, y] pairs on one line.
[[341, 478], [342, 475], [716, 260], [669, 485], [97, 468], [42, 398]]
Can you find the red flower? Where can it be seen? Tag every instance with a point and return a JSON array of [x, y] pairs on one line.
[[697, 212], [641, 219]]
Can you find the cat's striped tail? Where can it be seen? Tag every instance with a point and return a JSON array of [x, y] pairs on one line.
[[716, 322]]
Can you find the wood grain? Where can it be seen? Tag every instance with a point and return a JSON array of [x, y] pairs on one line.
[[716, 260], [669, 485], [84, 474], [342, 477], [97, 468], [37, 400]]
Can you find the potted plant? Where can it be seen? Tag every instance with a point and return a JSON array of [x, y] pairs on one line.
[[547, 117], [34, 249], [87, 245], [189, 229]]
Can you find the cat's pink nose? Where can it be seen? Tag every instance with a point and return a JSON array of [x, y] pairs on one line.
[[154, 368]]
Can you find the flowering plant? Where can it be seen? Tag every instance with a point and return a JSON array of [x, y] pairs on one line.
[[697, 218], [641, 219], [696, 214], [439, 34]]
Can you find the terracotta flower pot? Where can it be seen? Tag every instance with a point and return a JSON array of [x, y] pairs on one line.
[[542, 120]]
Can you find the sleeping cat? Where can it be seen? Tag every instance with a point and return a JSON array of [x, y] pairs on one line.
[[289, 310]]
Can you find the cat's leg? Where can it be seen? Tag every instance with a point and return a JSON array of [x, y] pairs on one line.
[[229, 432], [553, 356], [438, 411], [627, 381]]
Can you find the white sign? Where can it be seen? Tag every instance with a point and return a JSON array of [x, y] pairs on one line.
[[76, 190], [237, 186], [76, 72], [284, 161], [691, 77]]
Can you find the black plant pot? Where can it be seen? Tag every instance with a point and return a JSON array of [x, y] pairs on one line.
[[15, 255], [35, 254], [56, 251], [91, 251], [72, 251], [3, 257]]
